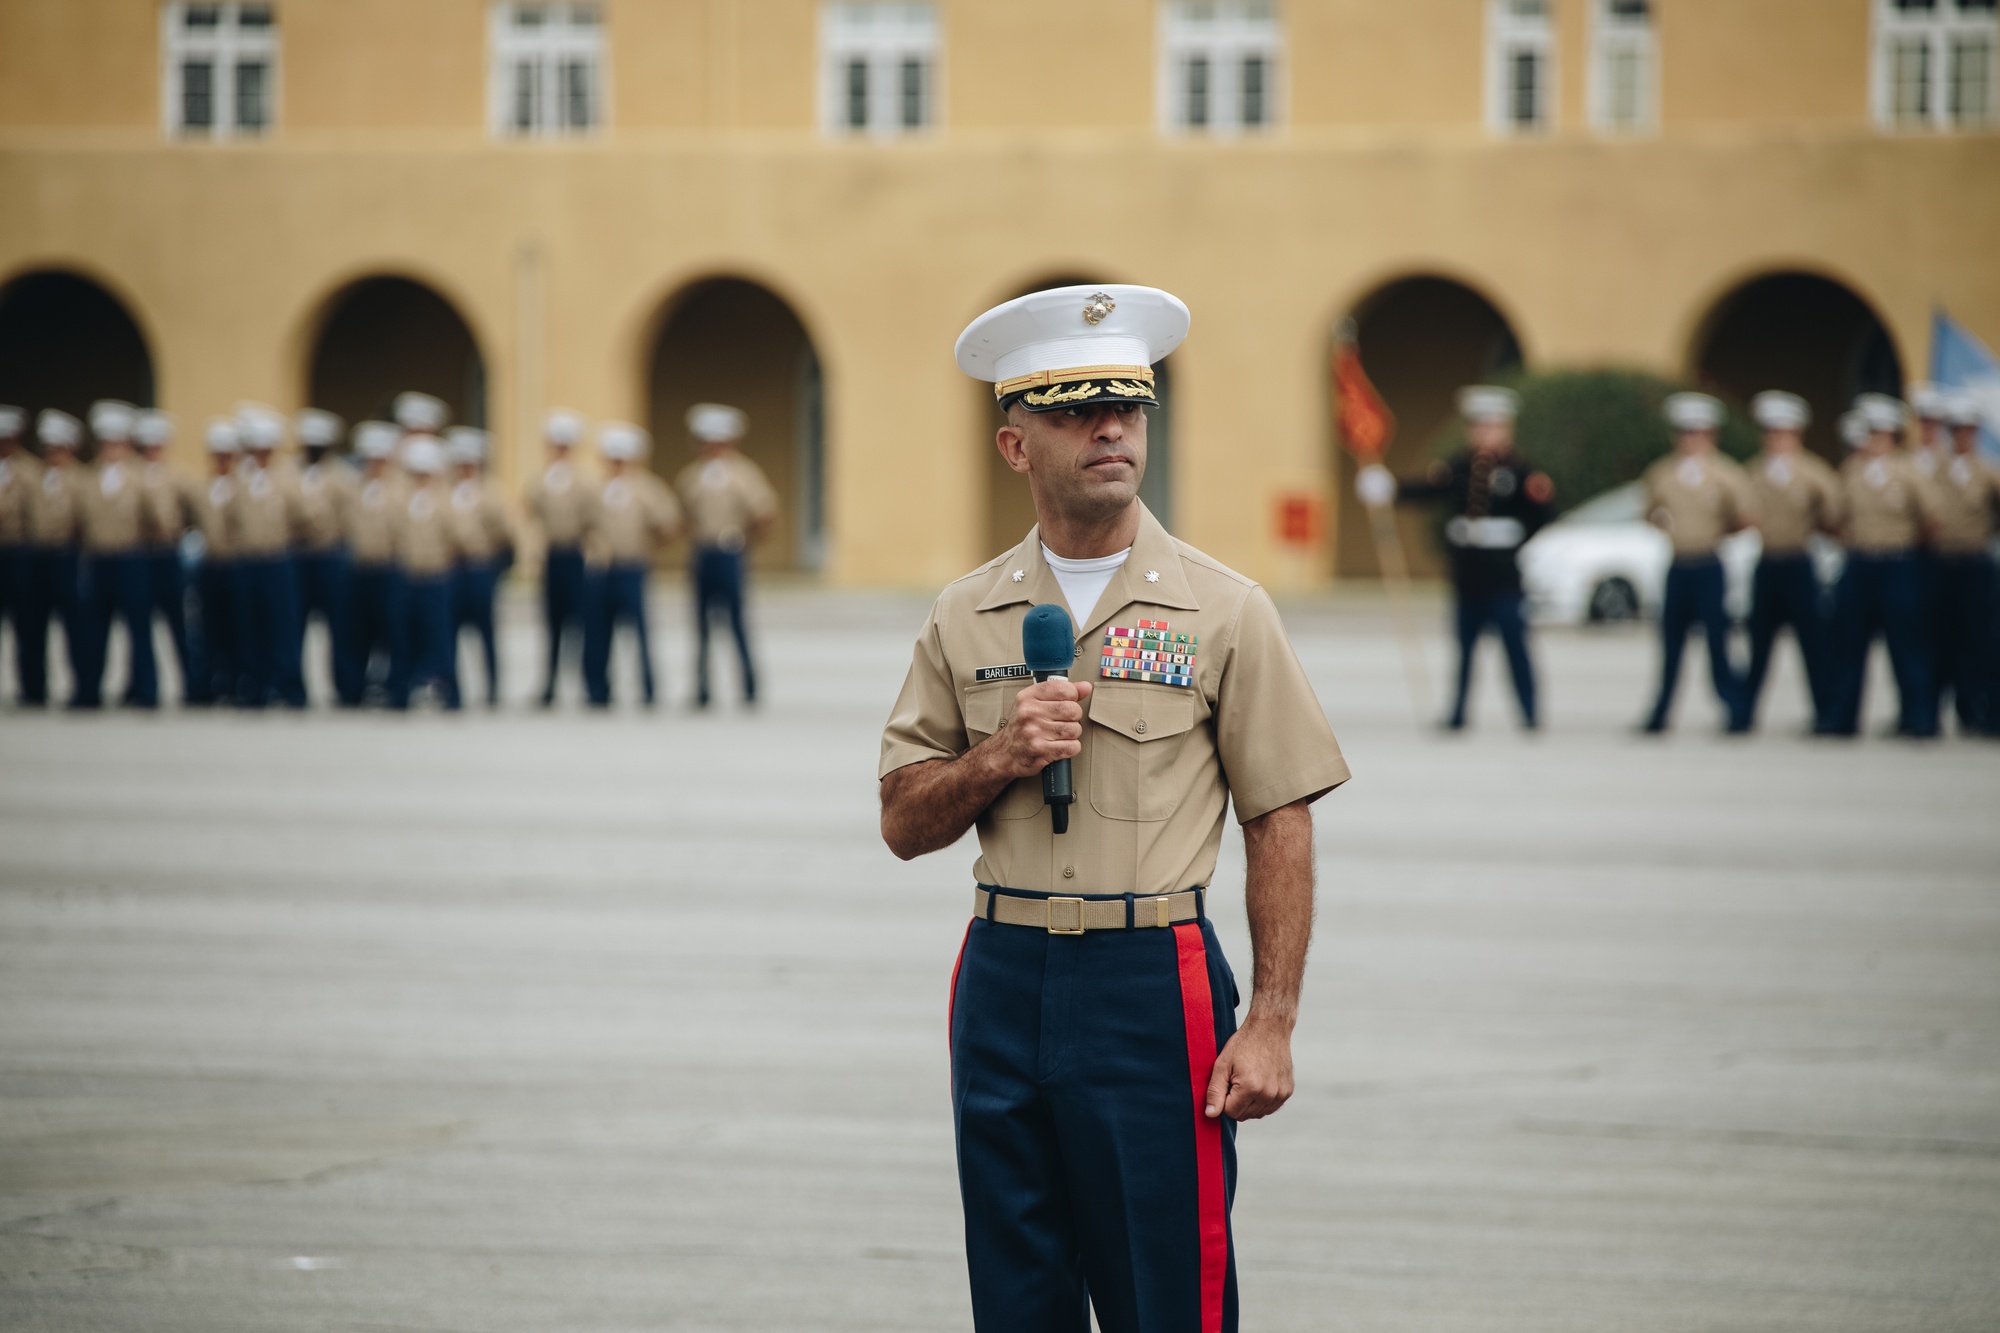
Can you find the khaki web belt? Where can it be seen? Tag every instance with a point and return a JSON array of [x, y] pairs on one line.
[[1074, 916]]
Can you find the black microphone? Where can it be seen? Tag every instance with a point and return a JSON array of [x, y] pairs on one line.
[[1048, 646]]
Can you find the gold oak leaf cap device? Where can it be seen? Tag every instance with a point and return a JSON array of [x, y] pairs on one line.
[[1074, 346]]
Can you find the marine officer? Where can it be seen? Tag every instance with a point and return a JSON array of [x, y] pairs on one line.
[[426, 555], [634, 515], [730, 506], [1796, 496], [1928, 448], [560, 501], [214, 679], [1098, 1072], [380, 634], [19, 472], [1968, 503], [326, 491], [264, 520], [1497, 502], [1697, 497], [484, 538], [114, 579], [53, 519], [169, 501], [1890, 513]]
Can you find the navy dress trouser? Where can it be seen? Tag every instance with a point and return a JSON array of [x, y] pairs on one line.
[[216, 662], [1785, 591], [117, 587], [267, 632], [1089, 1176], [168, 583], [1503, 614], [617, 594], [431, 639], [1968, 638], [1694, 597], [475, 584], [718, 590], [380, 634], [326, 589], [1883, 593], [47, 585], [563, 608]]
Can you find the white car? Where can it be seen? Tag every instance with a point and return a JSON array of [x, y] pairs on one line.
[[1602, 561]]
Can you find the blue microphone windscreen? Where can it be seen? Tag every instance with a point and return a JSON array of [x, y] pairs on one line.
[[1048, 640]]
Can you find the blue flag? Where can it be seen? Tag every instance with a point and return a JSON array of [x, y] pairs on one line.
[[1960, 361]]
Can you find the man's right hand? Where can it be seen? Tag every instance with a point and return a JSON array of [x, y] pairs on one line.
[[1047, 725]]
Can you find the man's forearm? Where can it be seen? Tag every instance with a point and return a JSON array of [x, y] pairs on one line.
[[1278, 898], [929, 806]]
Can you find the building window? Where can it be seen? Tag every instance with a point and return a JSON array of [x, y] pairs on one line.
[[220, 79], [1934, 63], [878, 66], [1621, 73], [1218, 67], [1520, 74], [547, 75]]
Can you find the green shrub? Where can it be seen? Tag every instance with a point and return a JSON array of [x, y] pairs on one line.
[[1591, 430]]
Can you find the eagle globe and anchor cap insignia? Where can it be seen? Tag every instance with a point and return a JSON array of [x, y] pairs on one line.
[[1097, 306]]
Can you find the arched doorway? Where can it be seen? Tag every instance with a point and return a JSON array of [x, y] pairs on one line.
[[727, 340], [383, 335], [1803, 333], [1421, 339], [65, 342], [1010, 508]]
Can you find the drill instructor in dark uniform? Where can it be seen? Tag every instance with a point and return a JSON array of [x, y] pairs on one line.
[[1098, 1072]]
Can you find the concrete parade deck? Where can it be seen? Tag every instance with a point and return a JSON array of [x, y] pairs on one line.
[[571, 1022]]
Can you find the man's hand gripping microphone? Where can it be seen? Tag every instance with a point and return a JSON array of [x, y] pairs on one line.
[[1048, 646]]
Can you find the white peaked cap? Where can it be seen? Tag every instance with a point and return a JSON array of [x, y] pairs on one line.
[[465, 444], [420, 411], [1693, 411], [1961, 409], [1927, 400], [621, 441], [1853, 428], [58, 428], [562, 426], [11, 419], [1774, 409], [112, 419], [423, 455], [260, 426], [222, 437], [153, 428], [1488, 402], [319, 428], [712, 423], [1071, 346], [376, 439], [1880, 411]]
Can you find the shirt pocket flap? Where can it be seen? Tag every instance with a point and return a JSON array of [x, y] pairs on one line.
[[1143, 713], [987, 705]]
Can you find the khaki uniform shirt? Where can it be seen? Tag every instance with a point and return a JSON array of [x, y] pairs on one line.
[[1887, 503], [1968, 499], [371, 532], [725, 497], [327, 492], [264, 514], [634, 514], [561, 501], [214, 503], [425, 545], [1161, 760], [1698, 501], [479, 520], [113, 514], [1796, 495], [20, 475], [169, 500], [55, 504]]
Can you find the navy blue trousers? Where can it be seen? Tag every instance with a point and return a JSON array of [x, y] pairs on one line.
[[1883, 594], [474, 587], [432, 641], [46, 582], [381, 631], [1089, 1176], [1694, 597], [168, 582], [563, 608], [1784, 592], [214, 642], [117, 587], [617, 594], [266, 598], [326, 590], [1967, 634], [718, 590], [1473, 615]]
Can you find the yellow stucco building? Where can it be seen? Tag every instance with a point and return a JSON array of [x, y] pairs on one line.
[[627, 206]]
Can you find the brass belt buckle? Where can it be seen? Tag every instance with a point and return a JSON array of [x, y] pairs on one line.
[[1054, 929]]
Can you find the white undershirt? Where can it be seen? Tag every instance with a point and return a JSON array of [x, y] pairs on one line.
[[1083, 581]]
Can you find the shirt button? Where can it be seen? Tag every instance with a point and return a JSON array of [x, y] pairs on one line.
[[1140, 726], [1069, 872]]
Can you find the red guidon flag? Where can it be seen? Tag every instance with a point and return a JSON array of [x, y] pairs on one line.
[[1366, 423]]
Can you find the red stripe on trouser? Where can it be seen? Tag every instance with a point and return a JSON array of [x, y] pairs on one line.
[[951, 1005], [1198, 1011]]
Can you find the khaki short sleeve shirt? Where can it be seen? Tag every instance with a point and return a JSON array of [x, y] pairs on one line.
[[1217, 709], [1698, 501], [1797, 495], [1968, 501], [724, 498]]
